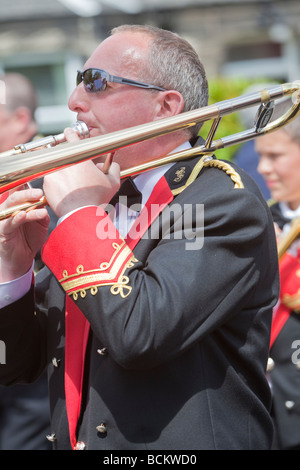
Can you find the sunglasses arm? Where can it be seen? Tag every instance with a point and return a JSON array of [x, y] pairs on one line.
[[127, 81]]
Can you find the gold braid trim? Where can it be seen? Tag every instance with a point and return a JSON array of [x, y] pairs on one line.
[[238, 184], [119, 286], [208, 161], [195, 172], [110, 272]]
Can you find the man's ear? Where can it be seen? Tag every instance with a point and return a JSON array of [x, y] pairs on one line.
[[169, 103]]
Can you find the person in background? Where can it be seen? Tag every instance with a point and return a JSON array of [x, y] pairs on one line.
[[279, 164], [247, 158], [17, 121], [155, 333], [24, 409]]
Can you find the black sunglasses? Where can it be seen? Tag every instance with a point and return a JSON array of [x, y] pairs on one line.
[[95, 80]]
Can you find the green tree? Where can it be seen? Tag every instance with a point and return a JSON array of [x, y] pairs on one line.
[[221, 89]]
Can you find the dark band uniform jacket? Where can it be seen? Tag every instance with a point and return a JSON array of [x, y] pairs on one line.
[[284, 362], [175, 339]]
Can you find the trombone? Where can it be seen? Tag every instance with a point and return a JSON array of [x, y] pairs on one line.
[[16, 170], [289, 238]]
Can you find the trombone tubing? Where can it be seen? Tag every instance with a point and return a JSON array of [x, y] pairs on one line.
[[19, 169]]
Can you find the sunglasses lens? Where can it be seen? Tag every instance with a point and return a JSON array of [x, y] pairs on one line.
[[93, 80], [78, 78]]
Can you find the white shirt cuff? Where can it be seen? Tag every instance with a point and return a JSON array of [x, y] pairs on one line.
[[13, 290]]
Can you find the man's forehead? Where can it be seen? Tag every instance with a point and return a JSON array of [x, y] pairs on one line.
[[118, 51]]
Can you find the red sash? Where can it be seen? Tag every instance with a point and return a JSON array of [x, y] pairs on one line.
[[289, 299], [77, 332]]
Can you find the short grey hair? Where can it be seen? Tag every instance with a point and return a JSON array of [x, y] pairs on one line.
[[172, 64]]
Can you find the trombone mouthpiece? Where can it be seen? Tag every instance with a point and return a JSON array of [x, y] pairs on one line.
[[81, 128], [50, 141]]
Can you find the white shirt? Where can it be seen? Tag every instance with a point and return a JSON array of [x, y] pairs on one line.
[[287, 212], [124, 218]]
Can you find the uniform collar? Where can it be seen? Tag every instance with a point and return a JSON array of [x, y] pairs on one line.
[[146, 181]]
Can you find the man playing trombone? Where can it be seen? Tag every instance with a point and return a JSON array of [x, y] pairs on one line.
[[149, 343]]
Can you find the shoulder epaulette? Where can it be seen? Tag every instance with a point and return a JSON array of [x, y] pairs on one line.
[[238, 184], [183, 173]]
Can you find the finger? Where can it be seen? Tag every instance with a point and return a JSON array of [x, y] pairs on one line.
[[28, 206], [113, 170], [5, 195], [113, 175], [38, 215], [22, 200], [20, 218], [108, 161], [22, 196], [71, 135]]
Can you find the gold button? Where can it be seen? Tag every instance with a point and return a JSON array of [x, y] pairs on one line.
[[80, 445], [102, 428], [270, 364], [55, 362], [289, 404], [102, 351]]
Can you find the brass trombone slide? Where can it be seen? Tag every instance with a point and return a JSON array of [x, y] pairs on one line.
[[16, 169]]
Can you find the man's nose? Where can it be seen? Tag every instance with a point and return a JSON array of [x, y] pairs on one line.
[[78, 100]]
